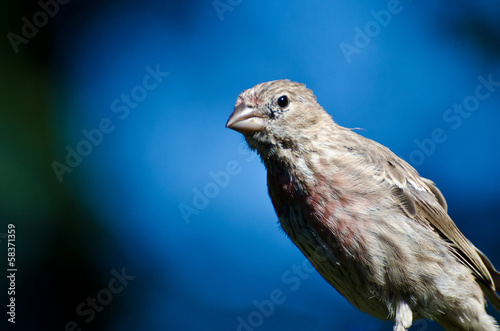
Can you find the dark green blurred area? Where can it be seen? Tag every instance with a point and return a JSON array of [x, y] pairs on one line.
[[55, 236]]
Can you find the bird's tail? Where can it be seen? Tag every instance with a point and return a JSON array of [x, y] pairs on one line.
[[489, 291]]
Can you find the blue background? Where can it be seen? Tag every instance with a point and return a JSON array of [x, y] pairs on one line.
[[121, 206]]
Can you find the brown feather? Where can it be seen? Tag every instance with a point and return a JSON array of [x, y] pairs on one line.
[[372, 227]]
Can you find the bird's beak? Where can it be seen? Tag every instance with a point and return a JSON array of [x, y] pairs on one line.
[[245, 119]]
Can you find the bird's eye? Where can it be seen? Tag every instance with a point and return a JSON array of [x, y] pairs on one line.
[[283, 101]]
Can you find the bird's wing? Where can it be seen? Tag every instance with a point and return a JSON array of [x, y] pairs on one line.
[[422, 201]]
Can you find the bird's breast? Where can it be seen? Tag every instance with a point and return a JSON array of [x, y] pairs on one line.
[[319, 210], [283, 189], [320, 226]]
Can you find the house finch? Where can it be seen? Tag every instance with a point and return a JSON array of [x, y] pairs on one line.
[[372, 227]]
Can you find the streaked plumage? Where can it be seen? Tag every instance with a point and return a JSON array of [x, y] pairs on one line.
[[372, 227]]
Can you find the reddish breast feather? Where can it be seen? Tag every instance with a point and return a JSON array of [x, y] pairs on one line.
[[323, 207]]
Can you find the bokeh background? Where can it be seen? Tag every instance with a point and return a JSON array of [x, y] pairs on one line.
[[166, 196]]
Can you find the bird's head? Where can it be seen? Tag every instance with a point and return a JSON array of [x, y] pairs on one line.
[[276, 114]]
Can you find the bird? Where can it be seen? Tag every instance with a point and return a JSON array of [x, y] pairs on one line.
[[375, 230]]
